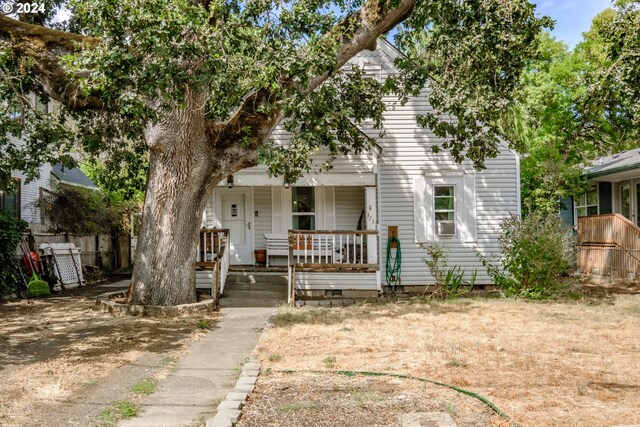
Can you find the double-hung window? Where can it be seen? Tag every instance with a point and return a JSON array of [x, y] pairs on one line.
[[445, 209]]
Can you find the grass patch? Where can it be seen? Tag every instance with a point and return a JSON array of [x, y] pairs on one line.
[[330, 361], [168, 360], [204, 324], [275, 358], [119, 410], [634, 310], [146, 386], [288, 316]]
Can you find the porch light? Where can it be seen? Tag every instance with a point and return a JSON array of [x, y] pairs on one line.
[[286, 182], [230, 181]]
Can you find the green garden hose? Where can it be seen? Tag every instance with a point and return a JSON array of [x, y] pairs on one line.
[[470, 393], [394, 263]]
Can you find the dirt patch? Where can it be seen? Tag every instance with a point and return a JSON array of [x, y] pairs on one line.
[[542, 363], [63, 362]]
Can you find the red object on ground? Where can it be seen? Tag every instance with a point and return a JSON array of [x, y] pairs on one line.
[[35, 261]]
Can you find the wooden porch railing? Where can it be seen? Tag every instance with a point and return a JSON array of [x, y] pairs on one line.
[[608, 245], [609, 229], [213, 254], [331, 251]]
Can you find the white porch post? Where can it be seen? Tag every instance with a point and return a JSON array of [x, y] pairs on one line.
[[371, 210]]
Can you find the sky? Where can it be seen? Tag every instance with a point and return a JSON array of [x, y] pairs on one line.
[[573, 17]]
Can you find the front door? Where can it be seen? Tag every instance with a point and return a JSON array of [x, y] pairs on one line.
[[236, 216]]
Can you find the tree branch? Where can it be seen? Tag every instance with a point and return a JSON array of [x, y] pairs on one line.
[[355, 33], [45, 46]]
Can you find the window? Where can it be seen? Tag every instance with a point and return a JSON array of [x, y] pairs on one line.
[[303, 208], [43, 107], [445, 209], [587, 203], [625, 200], [10, 200]]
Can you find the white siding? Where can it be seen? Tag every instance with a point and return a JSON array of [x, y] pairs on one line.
[[262, 205], [343, 281], [30, 193], [349, 206], [406, 156]]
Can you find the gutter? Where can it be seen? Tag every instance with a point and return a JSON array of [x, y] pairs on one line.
[[613, 171]]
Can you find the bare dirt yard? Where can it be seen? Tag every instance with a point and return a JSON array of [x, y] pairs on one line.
[[551, 363], [64, 364]]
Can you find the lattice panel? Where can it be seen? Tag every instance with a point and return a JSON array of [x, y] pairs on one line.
[[67, 272], [66, 269]]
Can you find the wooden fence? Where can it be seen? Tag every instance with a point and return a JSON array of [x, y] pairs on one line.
[[100, 251]]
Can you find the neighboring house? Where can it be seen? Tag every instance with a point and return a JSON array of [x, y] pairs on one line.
[[607, 216], [348, 210], [23, 202]]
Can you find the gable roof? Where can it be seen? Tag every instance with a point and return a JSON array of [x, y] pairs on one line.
[[73, 176], [619, 162]]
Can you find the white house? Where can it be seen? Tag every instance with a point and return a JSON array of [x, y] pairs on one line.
[[23, 202], [402, 183]]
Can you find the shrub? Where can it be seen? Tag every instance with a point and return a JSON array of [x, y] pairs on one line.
[[84, 212], [11, 229], [536, 251], [450, 281]]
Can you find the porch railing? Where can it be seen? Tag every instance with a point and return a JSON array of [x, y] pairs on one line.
[[609, 229], [213, 254], [331, 251], [609, 245]]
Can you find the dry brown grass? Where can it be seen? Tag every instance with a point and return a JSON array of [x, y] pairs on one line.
[[544, 364], [54, 351]]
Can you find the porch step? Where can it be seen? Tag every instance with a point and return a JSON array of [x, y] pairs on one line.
[[255, 293], [245, 302], [254, 289], [256, 279]]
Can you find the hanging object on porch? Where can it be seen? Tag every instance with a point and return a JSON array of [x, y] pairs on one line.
[[394, 258]]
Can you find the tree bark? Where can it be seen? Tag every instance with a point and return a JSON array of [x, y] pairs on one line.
[[179, 176]]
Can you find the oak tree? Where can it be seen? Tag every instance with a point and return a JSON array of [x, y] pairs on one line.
[[201, 84]]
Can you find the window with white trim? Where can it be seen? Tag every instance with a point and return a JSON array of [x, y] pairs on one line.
[[444, 207], [444, 198], [303, 208], [587, 203]]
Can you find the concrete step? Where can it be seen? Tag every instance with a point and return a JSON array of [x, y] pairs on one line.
[[257, 279], [246, 302], [233, 293], [256, 286]]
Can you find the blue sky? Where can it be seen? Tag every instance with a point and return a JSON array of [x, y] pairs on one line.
[[573, 17]]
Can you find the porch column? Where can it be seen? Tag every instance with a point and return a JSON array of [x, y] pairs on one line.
[[371, 211]]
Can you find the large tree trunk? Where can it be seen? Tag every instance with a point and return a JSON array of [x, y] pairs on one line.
[[179, 176]]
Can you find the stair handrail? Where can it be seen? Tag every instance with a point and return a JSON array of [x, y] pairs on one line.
[[609, 228]]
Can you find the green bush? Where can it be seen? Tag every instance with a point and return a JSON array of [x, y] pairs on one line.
[[11, 229], [535, 252], [450, 281]]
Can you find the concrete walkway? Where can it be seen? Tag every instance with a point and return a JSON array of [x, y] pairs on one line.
[[206, 373]]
